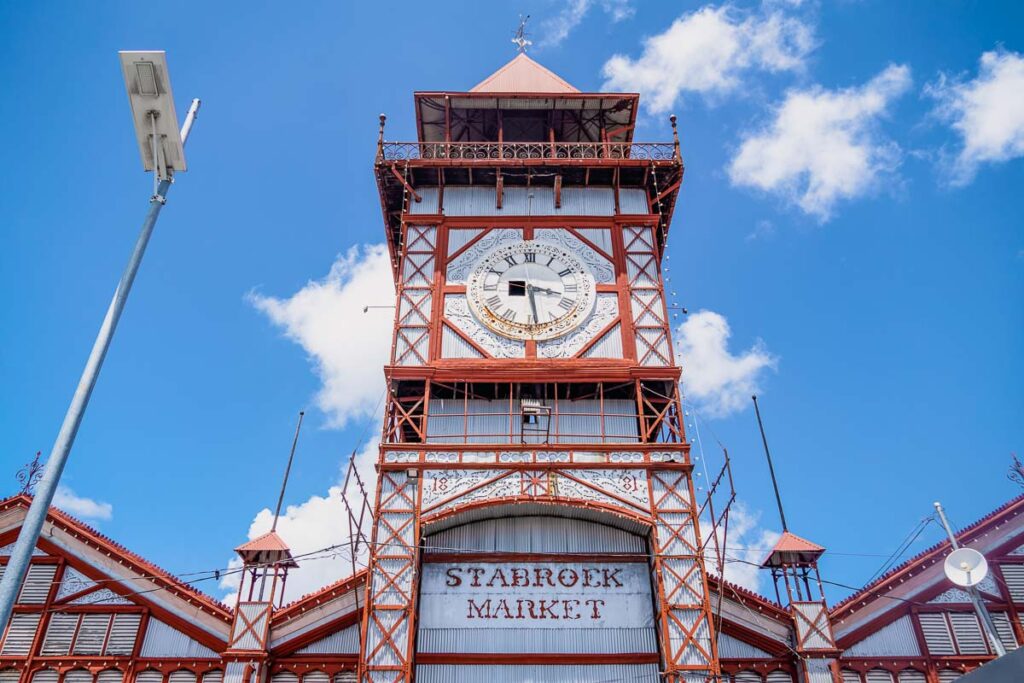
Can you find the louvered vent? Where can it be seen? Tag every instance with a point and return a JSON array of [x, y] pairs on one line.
[[59, 634], [747, 677], [92, 632], [122, 634], [936, 634], [149, 676], [878, 676], [779, 677], [316, 677], [1014, 575], [948, 675], [284, 677], [851, 676], [215, 676], [345, 677], [78, 676], [912, 676], [44, 676], [967, 631], [1005, 630], [110, 676], [9, 676], [182, 676], [20, 633], [37, 584]]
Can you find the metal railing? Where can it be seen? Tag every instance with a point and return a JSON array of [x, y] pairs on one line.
[[475, 151]]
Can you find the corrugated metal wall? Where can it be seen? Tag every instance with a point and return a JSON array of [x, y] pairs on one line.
[[895, 640], [490, 422], [454, 346], [345, 641], [517, 201], [535, 535], [634, 673], [163, 641]]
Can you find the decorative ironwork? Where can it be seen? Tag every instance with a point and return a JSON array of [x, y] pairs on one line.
[[1016, 473], [29, 475], [473, 151]]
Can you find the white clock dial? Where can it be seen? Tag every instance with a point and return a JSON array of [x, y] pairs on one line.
[[531, 290]]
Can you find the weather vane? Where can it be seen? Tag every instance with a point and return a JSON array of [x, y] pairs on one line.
[[521, 41], [29, 475], [1016, 473]]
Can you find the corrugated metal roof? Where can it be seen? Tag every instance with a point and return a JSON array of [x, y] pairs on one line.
[[523, 74]]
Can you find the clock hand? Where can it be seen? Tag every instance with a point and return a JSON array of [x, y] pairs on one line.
[[533, 302]]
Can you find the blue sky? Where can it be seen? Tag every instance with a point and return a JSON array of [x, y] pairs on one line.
[[850, 216]]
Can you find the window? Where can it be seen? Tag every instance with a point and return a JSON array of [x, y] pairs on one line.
[[92, 633]]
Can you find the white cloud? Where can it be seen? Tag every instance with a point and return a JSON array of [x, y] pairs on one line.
[[319, 522], [78, 506], [347, 347], [987, 112], [708, 52], [747, 543], [557, 28], [716, 381], [822, 146]]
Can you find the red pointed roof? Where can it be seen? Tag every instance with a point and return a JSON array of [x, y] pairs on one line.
[[523, 75], [791, 549], [266, 548]]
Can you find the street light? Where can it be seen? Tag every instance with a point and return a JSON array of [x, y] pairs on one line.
[[163, 152]]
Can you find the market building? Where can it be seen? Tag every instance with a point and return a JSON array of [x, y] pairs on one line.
[[535, 516]]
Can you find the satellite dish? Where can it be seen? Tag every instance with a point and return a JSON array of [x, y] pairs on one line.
[[966, 567]]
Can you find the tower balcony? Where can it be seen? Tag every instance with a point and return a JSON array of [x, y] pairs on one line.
[[489, 152]]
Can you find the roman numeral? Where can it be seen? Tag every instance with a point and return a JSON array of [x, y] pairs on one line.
[[569, 287], [531, 257], [565, 272], [509, 315], [550, 261], [496, 272], [510, 260], [567, 303], [491, 288], [494, 301]]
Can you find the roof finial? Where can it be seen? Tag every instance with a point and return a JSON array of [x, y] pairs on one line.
[[521, 41]]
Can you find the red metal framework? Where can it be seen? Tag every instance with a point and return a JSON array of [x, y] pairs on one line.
[[389, 619], [415, 295]]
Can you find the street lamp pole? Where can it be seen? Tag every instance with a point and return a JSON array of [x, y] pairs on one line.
[[18, 565]]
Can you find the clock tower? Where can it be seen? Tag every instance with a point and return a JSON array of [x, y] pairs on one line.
[[534, 515]]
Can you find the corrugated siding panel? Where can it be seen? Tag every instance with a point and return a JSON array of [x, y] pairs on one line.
[[967, 632], [734, 648], [601, 237], [123, 633], [894, 640], [1014, 575], [9, 675], [539, 641], [182, 676], [37, 584], [878, 676], [460, 237], [284, 677], [747, 677], [163, 641], [535, 535], [912, 676], [949, 676], [110, 676], [635, 673], [428, 204], [936, 634], [1004, 629], [346, 677], [21, 630], [345, 641], [215, 676], [517, 201], [454, 346], [608, 346], [779, 677], [45, 676], [316, 677], [149, 675], [633, 200], [59, 634], [91, 634], [850, 676], [78, 676]]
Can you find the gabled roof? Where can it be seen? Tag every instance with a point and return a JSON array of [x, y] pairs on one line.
[[85, 534], [791, 549], [523, 75], [930, 556]]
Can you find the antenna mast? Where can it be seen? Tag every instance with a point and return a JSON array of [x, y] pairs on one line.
[[287, 471], [771, 468]]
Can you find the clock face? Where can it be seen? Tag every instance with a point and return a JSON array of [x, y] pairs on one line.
[[531, 290]]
